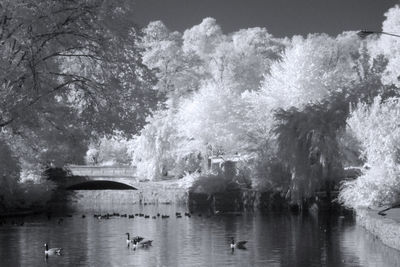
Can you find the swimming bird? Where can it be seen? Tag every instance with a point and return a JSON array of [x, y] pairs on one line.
[[51, 251], [239, 245], [137, 239], [143, 244], [146, 243], [128, 240]]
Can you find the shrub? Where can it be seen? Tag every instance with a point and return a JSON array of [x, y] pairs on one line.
[[377, 129]]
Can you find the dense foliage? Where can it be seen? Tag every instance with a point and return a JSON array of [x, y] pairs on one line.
[[70, 71], [80, 82], [282, 103]]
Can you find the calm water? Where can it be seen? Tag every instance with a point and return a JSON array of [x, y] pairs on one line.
[[274, 239]]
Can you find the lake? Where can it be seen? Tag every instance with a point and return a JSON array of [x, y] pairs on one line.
[[274, 239]]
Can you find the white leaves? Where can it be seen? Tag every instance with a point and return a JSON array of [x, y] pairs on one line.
[[378, 130]]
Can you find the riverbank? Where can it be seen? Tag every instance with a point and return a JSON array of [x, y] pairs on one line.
[[386, 228]]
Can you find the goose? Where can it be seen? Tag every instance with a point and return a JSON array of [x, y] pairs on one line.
[[143, 244], [128, 240], [136, 239], [146, 243], [239, 245], [52, 251]]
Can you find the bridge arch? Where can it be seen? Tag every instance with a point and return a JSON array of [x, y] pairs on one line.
[[100, 185]]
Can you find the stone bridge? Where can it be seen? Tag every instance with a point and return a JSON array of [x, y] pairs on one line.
[[114, 177], [124, 177]]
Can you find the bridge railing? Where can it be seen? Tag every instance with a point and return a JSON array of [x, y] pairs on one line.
[[112, 171]]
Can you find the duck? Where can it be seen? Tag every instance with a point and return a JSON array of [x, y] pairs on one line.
[[51, 251], [239, 244]]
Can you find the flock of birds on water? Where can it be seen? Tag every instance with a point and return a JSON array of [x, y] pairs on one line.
[[135, 242]]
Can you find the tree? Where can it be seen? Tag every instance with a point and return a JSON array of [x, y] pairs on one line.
[[311, 69], [9, 176], [388, 46], [375, 127], [308, 145], [70, 70]]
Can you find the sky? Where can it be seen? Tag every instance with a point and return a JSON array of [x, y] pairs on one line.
[[280, 17]]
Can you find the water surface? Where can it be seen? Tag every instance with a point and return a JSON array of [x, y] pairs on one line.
[[273, 239]]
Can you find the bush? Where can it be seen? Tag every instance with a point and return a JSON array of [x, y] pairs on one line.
[[377, 129]]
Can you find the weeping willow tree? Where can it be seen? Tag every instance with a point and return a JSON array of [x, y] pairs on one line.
[[308, 146]]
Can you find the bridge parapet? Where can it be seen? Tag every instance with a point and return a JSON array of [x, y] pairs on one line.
[[103, 171]]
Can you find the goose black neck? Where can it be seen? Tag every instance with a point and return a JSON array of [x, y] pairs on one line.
[[47, 247]]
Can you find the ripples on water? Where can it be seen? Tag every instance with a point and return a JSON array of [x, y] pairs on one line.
[[274, 239]]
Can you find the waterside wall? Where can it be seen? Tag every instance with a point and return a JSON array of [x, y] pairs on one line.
[[386, 228]]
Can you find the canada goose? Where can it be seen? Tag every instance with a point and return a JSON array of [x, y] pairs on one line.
[[128, 240], [239, 245], [137, 239], [146, 243], [51, 251], [143, 244]]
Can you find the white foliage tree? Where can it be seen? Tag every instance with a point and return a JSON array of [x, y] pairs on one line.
[[389, 46], [311, 69], [376, 128]]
